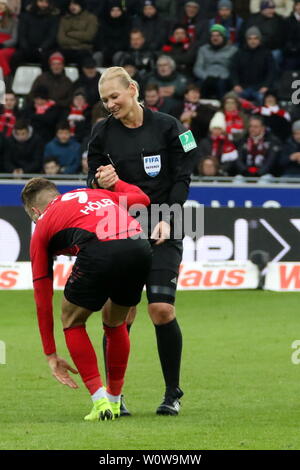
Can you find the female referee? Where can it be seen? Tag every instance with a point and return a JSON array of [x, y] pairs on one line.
[[155, 152]]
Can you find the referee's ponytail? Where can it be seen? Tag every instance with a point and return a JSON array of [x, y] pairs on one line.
[[123, 76]]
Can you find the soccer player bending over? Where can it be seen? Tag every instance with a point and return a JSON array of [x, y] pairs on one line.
[[112, 264]]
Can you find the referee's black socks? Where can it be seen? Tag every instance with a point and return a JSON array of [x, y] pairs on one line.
[[169, 345]]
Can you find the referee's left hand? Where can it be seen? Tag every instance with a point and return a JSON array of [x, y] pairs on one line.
[[161, 232]]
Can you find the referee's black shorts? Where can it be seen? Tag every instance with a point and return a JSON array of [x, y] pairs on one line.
[[115, 269], [162, 280]]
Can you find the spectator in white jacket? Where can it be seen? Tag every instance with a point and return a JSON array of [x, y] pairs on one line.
[[282, 7]]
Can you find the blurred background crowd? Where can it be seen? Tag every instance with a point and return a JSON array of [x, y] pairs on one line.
[[228, 70]]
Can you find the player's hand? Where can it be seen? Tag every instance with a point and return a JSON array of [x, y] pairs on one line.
[[59, 368], [106, 176], [161, 232]]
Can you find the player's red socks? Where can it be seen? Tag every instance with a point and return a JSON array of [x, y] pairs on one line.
[[84, 357], [117, 352]]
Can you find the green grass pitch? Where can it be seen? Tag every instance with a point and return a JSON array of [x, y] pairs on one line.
[[241, 389]]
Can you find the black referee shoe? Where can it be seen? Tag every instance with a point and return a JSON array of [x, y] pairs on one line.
[[123, 410], [171, 404]]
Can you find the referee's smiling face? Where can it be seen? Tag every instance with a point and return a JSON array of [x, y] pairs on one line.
[[117, 99]]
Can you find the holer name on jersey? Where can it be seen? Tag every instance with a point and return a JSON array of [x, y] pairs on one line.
[[152, 165], [93, 206]]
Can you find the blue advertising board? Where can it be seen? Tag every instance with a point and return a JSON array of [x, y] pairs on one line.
[[246, 195], [209, 194]]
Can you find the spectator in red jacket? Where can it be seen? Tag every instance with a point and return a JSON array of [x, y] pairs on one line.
[[236, 121], [8, 36], [219, 146], [9, 114], [181, 49]]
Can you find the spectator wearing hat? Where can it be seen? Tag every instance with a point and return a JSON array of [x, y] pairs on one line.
[[171, 83], [77, 31], [229, 19], [65, 148], [290, 155], [218, 146], [138, 54], [282, 7], [8, 36], [37, 33], [291, 51], [88, 80], [253, 82], [43, 114], [212, 66], [23, 150], [271, 26], [113, 33], [259, 151], [59, 86], [154, 27], [194, 20], [181, 49], [193, 113]]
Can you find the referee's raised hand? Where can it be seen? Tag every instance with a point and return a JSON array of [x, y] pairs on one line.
[[106, 176]]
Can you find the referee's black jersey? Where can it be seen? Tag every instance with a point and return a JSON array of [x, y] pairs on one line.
[[158, 156]]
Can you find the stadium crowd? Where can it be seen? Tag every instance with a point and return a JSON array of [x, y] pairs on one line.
[[226, 69]]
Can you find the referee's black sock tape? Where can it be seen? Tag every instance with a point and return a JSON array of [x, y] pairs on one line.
[[169, 345], [104, 347]]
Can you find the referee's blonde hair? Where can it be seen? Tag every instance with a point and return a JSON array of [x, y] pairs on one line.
[[122, 75]]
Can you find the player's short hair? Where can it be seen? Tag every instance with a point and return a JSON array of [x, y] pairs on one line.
[[32, 189], [122, 75]]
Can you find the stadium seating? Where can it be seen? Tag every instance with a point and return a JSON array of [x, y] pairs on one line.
[[24, 78], [72, 73], [101, 69]]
